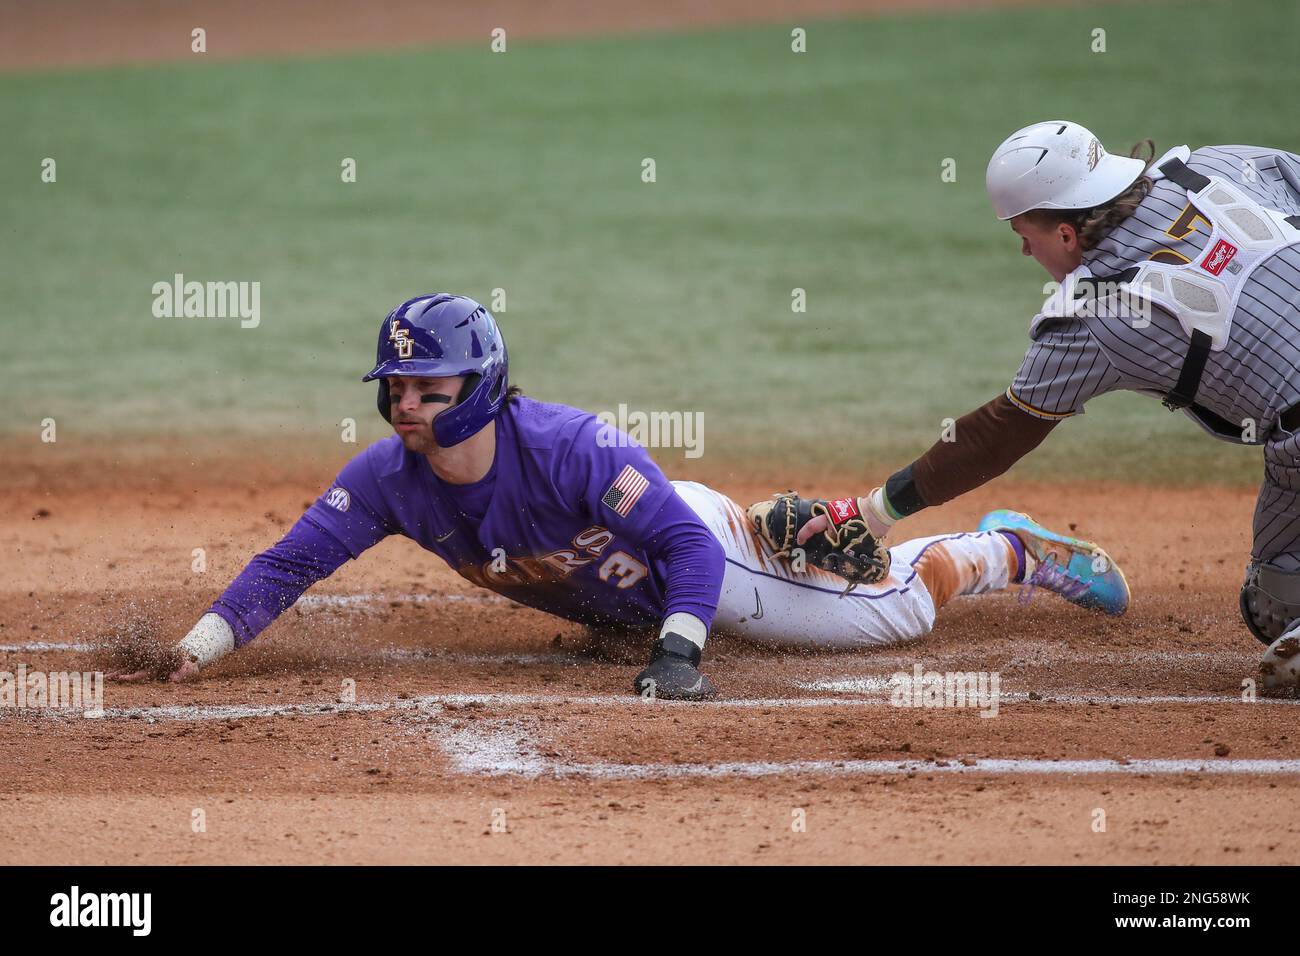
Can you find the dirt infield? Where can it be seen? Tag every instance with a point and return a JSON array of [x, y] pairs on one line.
[[473, 715]]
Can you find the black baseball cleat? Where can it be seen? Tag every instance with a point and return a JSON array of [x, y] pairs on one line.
[[673, 672]]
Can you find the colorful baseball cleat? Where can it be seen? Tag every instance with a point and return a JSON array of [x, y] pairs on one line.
[[1078, 570]]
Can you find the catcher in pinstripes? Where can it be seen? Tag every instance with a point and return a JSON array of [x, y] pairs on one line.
[[1177, 278]]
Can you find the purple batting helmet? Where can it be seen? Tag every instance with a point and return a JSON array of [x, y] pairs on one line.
[[443, 336]]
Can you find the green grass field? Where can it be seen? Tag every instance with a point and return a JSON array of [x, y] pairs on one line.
[[522, 171]]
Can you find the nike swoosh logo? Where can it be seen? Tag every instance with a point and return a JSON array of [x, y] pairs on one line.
[[759, 613], [445, 536]]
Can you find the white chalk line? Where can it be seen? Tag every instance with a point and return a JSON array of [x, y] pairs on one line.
[[1068, 768], [878, 689], [205, 712], [848, 685], [202, 712], [506, 746], [496, 749], [868, 685]]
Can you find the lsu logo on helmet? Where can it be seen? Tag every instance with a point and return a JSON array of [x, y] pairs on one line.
[[400, 338]]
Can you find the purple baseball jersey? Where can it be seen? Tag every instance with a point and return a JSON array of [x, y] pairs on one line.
[[573, 519]]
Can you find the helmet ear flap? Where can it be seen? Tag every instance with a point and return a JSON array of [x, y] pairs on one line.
[[384, 402], [468, 386]]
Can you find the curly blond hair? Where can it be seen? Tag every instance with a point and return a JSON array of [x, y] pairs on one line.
[[1092, 225]]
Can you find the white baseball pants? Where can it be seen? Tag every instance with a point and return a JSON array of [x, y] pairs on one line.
[[763, 600]]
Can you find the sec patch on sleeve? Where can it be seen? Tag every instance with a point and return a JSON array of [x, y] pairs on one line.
[[626, 491]]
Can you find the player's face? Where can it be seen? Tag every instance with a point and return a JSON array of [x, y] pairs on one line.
[[1054, 245], [414, 403]]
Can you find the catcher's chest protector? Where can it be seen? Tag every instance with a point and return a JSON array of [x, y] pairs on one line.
[[1203, 295]]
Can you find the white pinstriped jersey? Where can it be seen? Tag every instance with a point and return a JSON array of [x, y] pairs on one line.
[[1255, 377]]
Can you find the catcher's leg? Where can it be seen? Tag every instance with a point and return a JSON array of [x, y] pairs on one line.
[[1270, 597], [765, 599]]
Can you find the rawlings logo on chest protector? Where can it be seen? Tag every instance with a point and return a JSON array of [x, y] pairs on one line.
[[1219, 257]]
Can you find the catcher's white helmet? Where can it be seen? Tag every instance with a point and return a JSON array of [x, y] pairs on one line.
[[1055, 165]]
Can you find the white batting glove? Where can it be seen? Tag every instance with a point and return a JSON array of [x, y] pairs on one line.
[[208, 640]]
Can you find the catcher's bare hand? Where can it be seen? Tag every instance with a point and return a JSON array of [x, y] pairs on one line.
[[834, 535], [874, 511], [816, 525]]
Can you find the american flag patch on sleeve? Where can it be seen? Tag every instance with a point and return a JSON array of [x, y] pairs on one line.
[[626, 491]]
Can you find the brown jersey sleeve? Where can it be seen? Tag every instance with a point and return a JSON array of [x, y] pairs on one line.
[[988, 441]]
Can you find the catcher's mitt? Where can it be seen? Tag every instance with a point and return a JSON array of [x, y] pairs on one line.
[[847, 546]]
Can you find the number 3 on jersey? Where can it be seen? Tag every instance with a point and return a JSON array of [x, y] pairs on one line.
[[625, 569]]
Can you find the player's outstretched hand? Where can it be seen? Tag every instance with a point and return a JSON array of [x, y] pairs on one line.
[[208, 640], [144, 664], [187, 671]]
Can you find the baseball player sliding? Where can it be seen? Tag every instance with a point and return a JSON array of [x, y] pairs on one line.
[[1178, 278], [552, 508]]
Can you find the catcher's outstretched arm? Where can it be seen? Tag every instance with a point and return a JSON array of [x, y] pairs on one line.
[[989, 441]]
